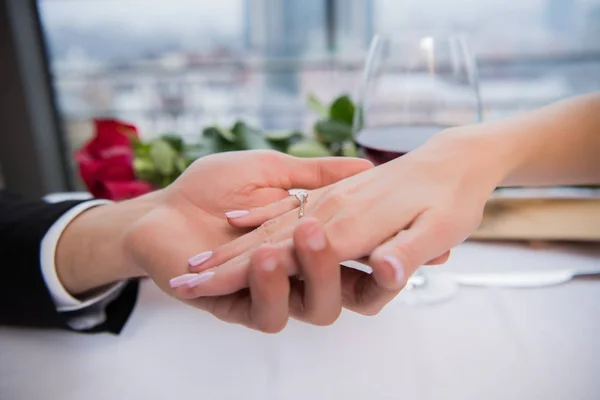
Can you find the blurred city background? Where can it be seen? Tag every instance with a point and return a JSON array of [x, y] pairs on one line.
[[179, 65]]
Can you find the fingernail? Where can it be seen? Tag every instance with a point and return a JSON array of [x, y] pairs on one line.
[[316, 239], [181, 280], [269, 264], [200, 279], [236, 214], [396, 264], [200, 258]]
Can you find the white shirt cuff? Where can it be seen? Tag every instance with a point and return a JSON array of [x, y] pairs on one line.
[[62, 299]]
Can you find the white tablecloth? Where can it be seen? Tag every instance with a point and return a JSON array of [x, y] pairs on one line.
[[482, 344]]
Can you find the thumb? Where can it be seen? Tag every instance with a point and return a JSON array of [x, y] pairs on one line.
[[313, 173], [429, 237]]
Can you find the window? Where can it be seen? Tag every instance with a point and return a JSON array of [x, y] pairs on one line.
[[530, 52], [182, 64]]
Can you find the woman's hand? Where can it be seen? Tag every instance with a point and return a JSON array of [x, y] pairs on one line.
[[400, 215]]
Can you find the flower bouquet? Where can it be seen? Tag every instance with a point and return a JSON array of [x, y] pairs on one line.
[[117, 164]]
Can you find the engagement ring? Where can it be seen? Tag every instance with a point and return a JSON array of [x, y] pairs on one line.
[[302, 196]]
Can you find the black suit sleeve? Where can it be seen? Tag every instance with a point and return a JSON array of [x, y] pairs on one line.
[[24, 297]]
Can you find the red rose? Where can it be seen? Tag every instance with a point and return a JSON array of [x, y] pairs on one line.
[[106, 162]]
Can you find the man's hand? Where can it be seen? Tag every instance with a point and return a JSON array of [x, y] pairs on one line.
[[272, 297], [156, 234]]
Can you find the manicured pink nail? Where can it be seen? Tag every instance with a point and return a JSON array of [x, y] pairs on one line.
[[181, 280], [236, 214], [200, 279], [316, 239], [200, 258], [396, 264]]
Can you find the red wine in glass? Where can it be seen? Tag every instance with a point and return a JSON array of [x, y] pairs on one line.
[[382, 144]]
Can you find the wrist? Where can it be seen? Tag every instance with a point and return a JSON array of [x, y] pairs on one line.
[[91, 251], [491, 155]]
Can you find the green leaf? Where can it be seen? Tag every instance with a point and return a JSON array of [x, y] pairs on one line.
[[191, 147], [349, 149], [134, 140], [218, 131], [144, 169], [141, 149], [214, 142], [308, 148], [280, 135], [175, 141], [199, 153], [330, 131], [249, 138], [206, 146], [181, 163], [282, 140], [316, 105], [210, 131], [163, 156], [280, 146], [166, 181], [198, 150], [226, 134], [342, 110]]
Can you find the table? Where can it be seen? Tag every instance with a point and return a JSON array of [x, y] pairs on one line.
[[482, 344]]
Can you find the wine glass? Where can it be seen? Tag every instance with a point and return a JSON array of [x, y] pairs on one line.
[[415, 85]]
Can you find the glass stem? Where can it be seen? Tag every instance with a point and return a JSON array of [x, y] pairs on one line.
[[417, 281]]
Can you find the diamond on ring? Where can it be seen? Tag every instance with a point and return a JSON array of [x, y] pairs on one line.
[[302, 197]]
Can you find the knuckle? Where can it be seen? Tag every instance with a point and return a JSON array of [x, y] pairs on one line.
[[371, 304], [267, 230], [340, 227], [456, 225], [333, 201], [273, 158], [444, 225]]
